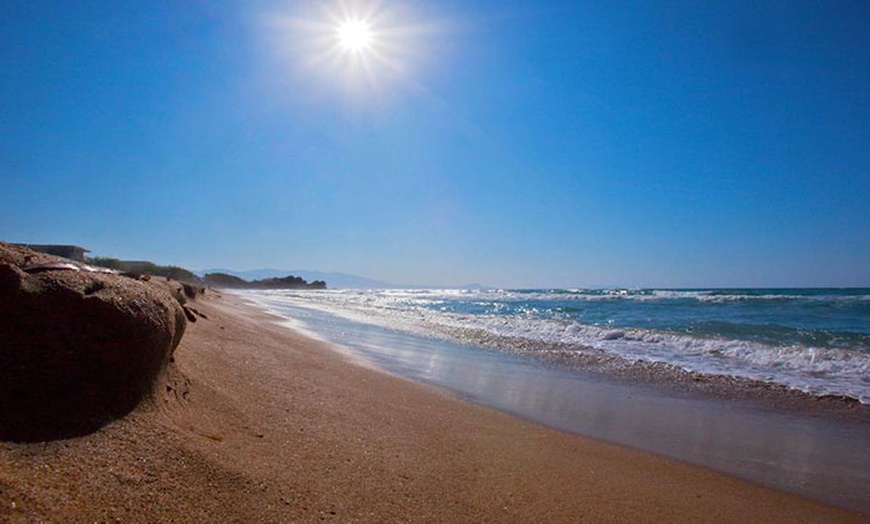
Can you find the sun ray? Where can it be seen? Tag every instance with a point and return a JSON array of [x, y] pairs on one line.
[[364, 48]]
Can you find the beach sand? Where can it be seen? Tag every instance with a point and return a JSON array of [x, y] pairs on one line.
[[256, 422]]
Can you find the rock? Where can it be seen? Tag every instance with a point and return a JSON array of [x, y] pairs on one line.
[[191, 291], [78, 348]]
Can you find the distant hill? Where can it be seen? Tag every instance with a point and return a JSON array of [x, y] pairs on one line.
[[225, 280], [146, 267], [334, 280]]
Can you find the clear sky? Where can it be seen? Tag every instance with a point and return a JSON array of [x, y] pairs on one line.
[[511, 143]]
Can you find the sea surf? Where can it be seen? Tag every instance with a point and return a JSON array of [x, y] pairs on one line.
[[815, 341]]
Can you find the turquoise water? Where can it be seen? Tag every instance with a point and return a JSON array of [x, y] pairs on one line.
[[477, 344], [813, 340]]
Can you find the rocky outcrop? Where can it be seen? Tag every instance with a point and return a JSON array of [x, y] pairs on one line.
[[78, 347]]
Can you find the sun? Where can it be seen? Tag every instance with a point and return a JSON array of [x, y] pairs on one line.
[[364, 48], [355, 35]]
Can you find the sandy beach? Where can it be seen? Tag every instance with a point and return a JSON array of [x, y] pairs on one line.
[[256, 422]]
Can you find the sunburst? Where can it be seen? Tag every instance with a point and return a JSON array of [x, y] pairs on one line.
[[355, 35], [359, 46]]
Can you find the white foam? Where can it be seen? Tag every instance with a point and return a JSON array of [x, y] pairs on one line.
[[821, 371]]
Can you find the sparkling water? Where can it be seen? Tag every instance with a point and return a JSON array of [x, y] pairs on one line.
[[813, 340]]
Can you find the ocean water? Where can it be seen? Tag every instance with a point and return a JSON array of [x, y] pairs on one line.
[[812, 340]]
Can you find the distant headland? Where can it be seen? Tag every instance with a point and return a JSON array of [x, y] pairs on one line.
[[219, 280], [145, 267], [224, 280]]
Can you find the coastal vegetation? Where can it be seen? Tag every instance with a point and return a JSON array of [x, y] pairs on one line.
[[225, 280], [145, 267]]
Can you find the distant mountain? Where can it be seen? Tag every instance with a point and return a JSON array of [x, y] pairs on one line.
[[333, 280], [225, 280]]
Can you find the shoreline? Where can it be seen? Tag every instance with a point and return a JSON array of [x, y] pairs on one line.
[[809, 340], [723, 423], [258, 422]]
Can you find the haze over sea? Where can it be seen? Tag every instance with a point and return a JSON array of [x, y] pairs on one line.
[[812, 340]]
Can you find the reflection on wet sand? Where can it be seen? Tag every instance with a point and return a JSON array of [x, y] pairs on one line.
[[798, 453]]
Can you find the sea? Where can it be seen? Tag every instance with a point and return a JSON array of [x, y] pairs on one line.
[[561, 357], [811, 340]]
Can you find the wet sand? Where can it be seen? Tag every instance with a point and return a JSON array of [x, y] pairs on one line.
[[256, 422], [815, 447]]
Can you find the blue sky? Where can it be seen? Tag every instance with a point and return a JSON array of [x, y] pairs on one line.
[[514, 144]]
